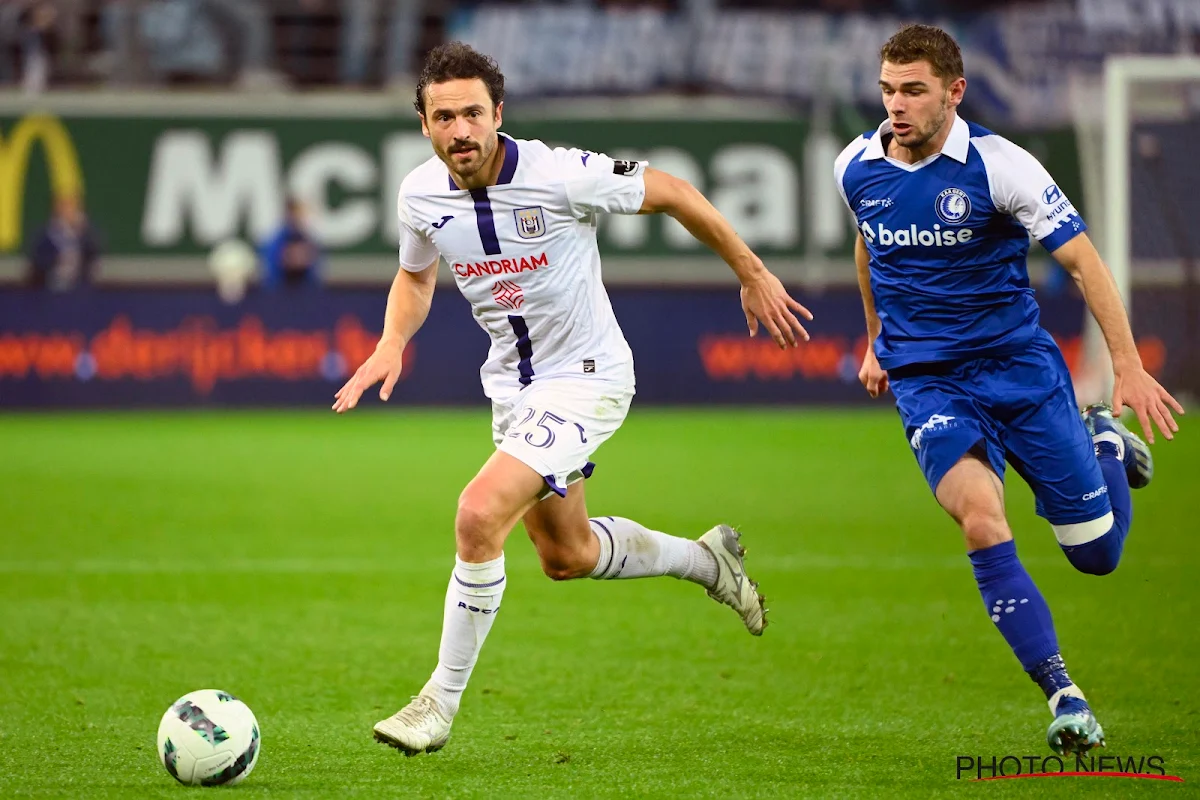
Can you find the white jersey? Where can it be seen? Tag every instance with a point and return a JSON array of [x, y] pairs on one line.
[[524, 253]]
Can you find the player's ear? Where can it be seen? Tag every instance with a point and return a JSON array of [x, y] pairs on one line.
[[499, 113], [957, 88], [424, 126]]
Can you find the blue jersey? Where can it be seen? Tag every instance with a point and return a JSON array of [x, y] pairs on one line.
[[948, 237]]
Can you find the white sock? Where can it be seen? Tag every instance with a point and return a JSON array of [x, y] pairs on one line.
[[1067, 691], [630, 550], [472, 600]]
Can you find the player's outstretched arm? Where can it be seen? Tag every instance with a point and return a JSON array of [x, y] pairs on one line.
[[1132, 385], [872, 376], [407, 307], [764, 300]]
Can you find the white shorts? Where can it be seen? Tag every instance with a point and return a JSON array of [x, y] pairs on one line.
[[555, 424]]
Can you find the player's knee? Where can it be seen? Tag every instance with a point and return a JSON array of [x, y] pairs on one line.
[[983, 528], [476, 524], [1092, 547], [1094, 564]]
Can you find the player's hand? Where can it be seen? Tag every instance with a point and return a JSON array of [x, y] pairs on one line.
[[873, 376], [766, 302], [383, 365], [1149, 401]]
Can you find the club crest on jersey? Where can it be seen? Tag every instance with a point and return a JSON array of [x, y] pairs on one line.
[[953, 206], [530, 222]]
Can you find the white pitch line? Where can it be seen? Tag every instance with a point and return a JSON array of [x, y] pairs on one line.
[[343, 566], [794, 563], [285, 566]]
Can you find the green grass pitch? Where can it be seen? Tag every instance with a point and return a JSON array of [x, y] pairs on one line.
[[299, 560]]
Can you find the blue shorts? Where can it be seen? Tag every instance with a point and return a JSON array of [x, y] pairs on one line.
[[1018, 408]]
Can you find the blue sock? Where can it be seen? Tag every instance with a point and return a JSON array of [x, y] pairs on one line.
[[1101, 556], [1051, 675], [1015, 604]]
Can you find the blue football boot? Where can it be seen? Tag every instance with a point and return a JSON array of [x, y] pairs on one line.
[[1075, 729], [1133, 452]]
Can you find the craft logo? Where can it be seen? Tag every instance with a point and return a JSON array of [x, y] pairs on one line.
[[16, 148], [994, 768]]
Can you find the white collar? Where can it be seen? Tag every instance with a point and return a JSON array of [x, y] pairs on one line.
[[957, 144]]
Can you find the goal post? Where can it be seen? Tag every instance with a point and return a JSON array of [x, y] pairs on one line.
[[1145, 111]]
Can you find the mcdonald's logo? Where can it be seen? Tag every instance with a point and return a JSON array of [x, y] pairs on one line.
[[15, 152]]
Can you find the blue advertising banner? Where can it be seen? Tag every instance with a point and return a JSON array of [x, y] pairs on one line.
[[146, 348]]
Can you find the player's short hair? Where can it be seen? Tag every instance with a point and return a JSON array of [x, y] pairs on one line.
[[455, 61], [925, 43]]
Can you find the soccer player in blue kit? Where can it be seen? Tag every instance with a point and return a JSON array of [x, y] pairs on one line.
[[945, 210]]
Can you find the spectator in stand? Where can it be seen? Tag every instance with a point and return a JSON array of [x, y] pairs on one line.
[[292, 258], [10, 23], [401, 22], [35, 21], [64, 254], [188, 39]]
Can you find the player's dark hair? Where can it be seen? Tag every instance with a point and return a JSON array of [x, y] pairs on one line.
[[455, 61], [925, 43]]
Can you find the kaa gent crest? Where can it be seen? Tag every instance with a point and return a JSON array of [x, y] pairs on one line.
[[530, 223]]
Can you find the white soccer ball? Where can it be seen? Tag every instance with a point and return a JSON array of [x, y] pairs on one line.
[[208, 738]]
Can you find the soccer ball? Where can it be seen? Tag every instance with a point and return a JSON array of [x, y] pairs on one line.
[[208, 738]]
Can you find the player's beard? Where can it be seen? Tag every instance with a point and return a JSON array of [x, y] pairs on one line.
[[481, 152], [919, 136]]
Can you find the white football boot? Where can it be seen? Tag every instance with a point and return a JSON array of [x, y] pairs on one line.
[[733, 587], [419, 727]]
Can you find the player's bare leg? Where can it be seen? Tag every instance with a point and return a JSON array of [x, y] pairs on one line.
[[487, 510], [570, 545], [974, 496]]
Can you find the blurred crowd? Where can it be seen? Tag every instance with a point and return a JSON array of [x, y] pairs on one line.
[[286, 43], [244, 43], [65, 252]]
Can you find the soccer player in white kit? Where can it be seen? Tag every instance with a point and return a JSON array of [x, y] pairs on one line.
[[516, 222]]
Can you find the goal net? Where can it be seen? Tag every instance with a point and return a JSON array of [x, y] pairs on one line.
[[1136, 129]]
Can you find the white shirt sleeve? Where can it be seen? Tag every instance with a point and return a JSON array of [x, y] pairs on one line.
[[1022, 188], [417, 252], [596, 183], [851, 152]]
